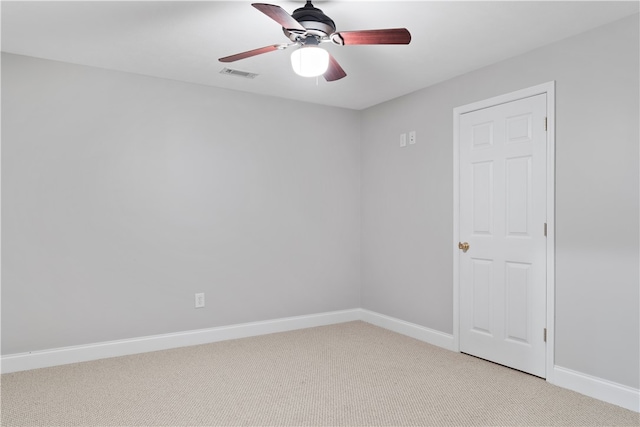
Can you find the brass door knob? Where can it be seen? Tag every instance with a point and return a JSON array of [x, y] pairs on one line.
[[464, 246]]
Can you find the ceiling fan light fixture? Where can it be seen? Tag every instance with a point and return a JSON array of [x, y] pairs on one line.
[[310, 61]]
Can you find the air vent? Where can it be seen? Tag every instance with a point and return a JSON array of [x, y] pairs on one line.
[[244, 74]]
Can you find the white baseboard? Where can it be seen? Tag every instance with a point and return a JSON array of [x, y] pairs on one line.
[[102, 350], [412, 330], [598, 388], [617, 394]]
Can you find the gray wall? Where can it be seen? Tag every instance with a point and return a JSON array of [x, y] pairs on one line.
[[123, 195], [407, 195]]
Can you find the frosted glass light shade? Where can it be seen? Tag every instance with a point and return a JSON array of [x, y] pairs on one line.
[[310, 61]]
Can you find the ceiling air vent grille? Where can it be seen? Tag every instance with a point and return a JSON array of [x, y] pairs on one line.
[[237, 73]]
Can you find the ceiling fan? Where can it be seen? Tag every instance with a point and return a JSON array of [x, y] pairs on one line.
[[308, 27]]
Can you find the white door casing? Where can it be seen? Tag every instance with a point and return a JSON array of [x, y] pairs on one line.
[[503, 202]]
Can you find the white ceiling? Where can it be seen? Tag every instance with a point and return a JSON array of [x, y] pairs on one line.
[[182, 40]]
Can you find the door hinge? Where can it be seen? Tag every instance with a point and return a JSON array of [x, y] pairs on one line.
[[545, 229], [545, 334], [545, 123]]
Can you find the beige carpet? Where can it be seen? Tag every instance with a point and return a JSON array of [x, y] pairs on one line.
[[348, 374]]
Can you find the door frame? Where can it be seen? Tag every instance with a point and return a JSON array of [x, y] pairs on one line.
[[544, 88]]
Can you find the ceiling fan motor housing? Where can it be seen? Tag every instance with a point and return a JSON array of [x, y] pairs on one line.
[[317, 24]]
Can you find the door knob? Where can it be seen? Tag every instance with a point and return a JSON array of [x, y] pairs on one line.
[[464, 246]]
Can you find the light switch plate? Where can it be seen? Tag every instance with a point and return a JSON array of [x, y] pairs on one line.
[[412, 137]]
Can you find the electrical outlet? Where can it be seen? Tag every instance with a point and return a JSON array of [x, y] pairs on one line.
[[200, 300], [412, 137], [403, 140]]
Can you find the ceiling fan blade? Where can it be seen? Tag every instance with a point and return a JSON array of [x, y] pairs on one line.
[[250, 53], [279, 15], [335, 71], [388, 36]]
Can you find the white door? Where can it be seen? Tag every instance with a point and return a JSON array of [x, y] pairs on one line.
[[502, 274]]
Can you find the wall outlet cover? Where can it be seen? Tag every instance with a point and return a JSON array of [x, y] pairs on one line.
[[200, 300]]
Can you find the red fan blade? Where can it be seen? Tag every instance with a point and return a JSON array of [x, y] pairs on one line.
[[279, 15], [335, 71], [250, 53], [389, 36]]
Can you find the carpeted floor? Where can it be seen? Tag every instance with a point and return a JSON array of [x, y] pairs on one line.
[[347, 374]]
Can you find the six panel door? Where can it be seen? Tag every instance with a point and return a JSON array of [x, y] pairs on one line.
[[502, 218]]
